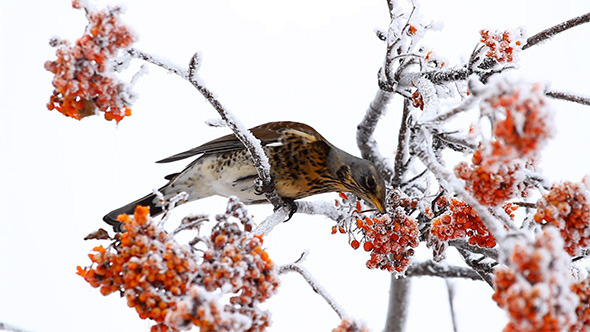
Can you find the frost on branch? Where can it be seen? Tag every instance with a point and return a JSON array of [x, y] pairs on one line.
[[566, 206], [536, 288], [84, 81], [179, 287], [390, 239]]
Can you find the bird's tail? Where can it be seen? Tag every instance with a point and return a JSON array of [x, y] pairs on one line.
[[148, 200]]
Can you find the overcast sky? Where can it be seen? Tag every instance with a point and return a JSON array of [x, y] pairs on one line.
[[309, 61]]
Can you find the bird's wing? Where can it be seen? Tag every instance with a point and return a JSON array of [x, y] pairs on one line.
[[267, 133]]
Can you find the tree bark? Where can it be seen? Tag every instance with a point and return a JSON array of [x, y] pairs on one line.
[[399, 303]]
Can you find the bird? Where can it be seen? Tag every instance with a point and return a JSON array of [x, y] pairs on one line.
[[302, 163]]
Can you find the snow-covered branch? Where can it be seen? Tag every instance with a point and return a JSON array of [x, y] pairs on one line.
[[569, 97], [480, 265], [447, 178], [463, 244], [312, 208], [364, 134], [251, 143], [432, 269], [399, 298], [550, 32], [402, 146], [296, 267]]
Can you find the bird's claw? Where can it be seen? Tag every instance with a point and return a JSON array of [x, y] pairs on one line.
[[260, 188], [292, 206]]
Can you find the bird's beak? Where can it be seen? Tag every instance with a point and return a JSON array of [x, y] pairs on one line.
[[378, 204]]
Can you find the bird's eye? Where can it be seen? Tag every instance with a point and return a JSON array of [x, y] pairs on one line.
[[370, 181]]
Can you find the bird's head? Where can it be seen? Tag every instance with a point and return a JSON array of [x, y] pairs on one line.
[[362, 178]]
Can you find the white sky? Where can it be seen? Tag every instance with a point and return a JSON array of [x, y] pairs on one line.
[[309, 61]]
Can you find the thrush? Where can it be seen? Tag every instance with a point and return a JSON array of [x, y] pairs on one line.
[[303, 163]]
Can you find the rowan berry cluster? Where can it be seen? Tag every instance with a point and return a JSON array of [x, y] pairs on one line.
[[567, 207], [348, 325], [145, 264], [491, 182], [521, 126], [462, 221], [237, 262], [526, 125], [582, 290], [501, 46], [83, 80], [535, 287], [390, 238], [178, 288]]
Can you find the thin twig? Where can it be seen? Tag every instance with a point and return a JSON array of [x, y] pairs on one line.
[[526, 204], [431, 269], [548, 33], [447, 178], [402, 146], [293, 267], [451, 297], [483, 269], [463, 244], [465, 105], [443, 76], [569, 97]]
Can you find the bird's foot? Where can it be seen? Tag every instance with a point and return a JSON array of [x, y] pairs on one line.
[[260, 188], [292, 206]]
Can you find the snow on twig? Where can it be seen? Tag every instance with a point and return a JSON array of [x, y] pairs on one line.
[[483, 269], [569, 97], [432, 269], [251, 143], [552, 31], [314, 284], [312, 208], [402, 146], [364, 133], [446, 177]]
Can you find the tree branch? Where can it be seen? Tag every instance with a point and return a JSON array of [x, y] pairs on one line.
[[550, 32], [251, 143], [450, 75], [451, 296], [569, 97], [447, 178], [432, 269], [312, 208], [484, 270], [463, 244], [397, 312], [364, 133], [402, 146], [295, 267]]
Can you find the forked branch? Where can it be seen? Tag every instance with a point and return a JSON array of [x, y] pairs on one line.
[[251, 143]]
